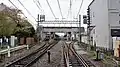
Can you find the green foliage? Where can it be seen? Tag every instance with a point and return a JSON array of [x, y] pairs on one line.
[[6, 25], [11, 23], [27, 32]]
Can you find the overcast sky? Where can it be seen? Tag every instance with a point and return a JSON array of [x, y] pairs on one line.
[[64, 4]]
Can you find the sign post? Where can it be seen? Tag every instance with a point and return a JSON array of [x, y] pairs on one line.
[[48, 56], [1, 42], [8, 51]]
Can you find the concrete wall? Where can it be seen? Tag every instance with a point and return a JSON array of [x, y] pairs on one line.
[[113, 17], [99, 18], [114, 13], [58, 30], [105, 15]]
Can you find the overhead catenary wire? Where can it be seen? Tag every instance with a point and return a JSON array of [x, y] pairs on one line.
[[60, 8], [39, 3], [40, 6], [16, 7], [13, 4], [27, 10], [80, 8], [37, 6], [51, 9]]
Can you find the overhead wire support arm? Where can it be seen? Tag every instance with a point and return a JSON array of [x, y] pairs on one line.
[[51, 9], [59, 22], [26, 9]]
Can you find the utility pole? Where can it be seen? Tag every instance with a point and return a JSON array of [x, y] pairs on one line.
[[38, 20], [89, 47], [80, 28], [38, 32], [88, 29], [41, 18]]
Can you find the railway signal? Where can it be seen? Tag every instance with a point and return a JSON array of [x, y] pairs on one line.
[[42, 18], [84, 19]]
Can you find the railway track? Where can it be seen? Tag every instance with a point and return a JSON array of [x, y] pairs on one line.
[[74, 60], [30, 59]]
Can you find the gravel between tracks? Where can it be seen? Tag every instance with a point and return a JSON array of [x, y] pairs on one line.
[[55, 57]]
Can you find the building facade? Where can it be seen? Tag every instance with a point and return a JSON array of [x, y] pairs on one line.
[[105, 16]]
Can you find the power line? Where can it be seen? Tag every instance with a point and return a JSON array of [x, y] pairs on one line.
[[16, 7], [40, 6], [60, 8], [26, 9], [51, 9], [37, 5], [13, 4], [79, 8]]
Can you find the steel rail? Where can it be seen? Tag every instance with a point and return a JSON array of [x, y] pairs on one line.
[[30, 59], [79, 57]]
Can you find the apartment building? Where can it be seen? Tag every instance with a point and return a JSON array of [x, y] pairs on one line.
[[105, 16]]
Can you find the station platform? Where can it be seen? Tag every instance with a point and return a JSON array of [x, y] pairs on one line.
[[18, 52], [4, 51]]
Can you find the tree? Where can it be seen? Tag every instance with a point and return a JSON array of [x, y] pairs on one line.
[[6, 25], [11, 23]]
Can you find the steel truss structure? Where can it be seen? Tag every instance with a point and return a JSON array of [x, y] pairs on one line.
[[59, 22]]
